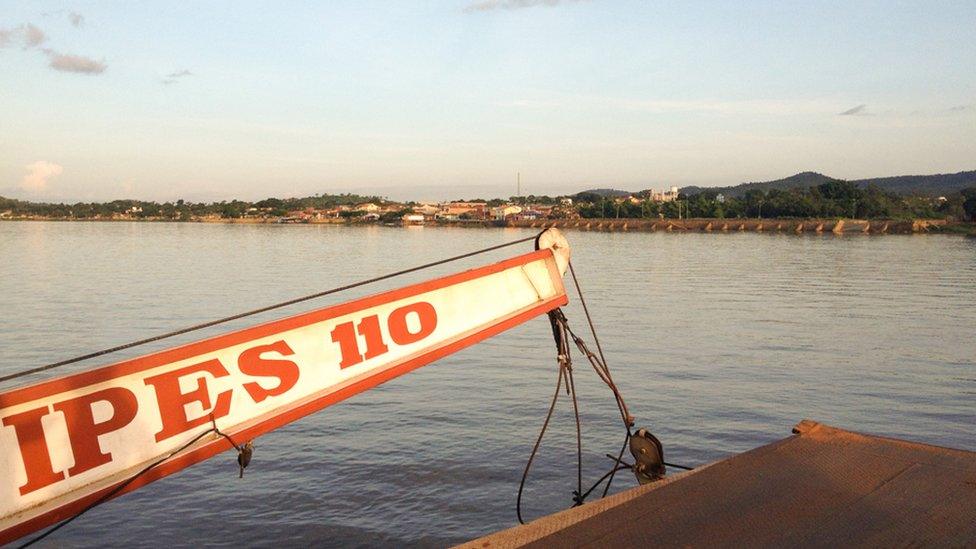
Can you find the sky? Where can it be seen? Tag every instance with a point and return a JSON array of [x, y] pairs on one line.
[[451, 99]]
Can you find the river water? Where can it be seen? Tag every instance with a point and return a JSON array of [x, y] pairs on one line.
[[719, 343]]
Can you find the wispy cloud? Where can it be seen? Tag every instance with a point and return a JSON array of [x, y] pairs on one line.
[[491, 5], [67, 62], [31, 37], [28, 36], [173, 77], [76, 19], [860, 110], [38, 174]]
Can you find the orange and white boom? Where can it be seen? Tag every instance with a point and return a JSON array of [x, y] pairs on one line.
[[68, 441]]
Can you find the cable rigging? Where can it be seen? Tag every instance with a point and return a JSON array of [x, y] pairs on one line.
[[649, 464], [652, 467]]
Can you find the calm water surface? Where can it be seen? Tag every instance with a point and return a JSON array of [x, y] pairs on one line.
[[719, 342]]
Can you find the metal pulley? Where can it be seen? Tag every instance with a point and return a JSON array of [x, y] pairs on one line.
[[648, 456], [244, 454]]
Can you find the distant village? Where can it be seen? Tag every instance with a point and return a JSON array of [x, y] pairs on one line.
[[343, 208], [455, 211], [461, 211], [823, 198]]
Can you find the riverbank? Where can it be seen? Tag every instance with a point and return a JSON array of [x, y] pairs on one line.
[[706, 225], [227, 220], [799, 226], [706, 314], [967, 229]]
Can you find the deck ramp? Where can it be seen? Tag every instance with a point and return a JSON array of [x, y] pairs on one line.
[[821, 487]]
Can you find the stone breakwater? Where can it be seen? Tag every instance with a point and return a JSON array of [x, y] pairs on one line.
[[799, 226]]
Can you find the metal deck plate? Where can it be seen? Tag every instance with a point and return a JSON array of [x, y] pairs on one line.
[[822, 487]]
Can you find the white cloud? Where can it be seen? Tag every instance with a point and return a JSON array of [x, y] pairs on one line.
[[33, 36], [67, 62], [28, 36], [38, 174]]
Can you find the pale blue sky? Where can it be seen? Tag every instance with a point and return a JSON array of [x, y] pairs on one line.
[[443, 99]]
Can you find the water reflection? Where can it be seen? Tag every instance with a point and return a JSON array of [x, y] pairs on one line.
[[720, 342]]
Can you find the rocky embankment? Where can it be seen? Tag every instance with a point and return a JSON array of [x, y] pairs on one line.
[[835, 226]]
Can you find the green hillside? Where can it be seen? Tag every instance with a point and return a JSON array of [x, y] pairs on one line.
[[921, 185]]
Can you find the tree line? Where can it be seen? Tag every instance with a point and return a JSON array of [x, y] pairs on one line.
[[832, 199], [828, 200], [180, 210]]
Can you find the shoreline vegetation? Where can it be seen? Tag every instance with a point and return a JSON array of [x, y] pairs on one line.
[[840, 226], [806, 202]]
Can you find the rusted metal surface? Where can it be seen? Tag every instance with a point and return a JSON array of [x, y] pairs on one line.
[[822, 487]]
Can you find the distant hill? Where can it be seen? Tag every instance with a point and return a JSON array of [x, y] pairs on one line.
[[928, 185], [801, 180], [924, 185]]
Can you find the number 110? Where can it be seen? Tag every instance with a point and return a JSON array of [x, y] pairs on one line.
[[369, 328]]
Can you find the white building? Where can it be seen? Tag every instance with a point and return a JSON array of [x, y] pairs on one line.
[[665, 196], [503, 212], [367, 207]]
